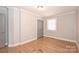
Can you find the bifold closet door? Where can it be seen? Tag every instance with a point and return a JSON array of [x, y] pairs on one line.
[[39, 28], [2, 31]]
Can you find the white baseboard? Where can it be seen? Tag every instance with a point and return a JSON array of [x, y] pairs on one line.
[[21, 43], [60, 38], [77, 45]]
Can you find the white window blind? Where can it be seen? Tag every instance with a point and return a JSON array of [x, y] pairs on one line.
[[51, 24]]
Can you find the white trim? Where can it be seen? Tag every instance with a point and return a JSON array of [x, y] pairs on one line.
[[60, 38], [21, 43]]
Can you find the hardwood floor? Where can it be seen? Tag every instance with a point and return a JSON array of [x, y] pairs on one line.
[[43, 45]]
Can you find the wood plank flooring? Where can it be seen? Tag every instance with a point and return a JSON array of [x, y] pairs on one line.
[[43, 45]]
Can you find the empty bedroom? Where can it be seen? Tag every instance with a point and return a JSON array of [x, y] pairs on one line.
[[39, 29]]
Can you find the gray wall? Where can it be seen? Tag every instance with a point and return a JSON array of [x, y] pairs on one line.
[[28, 26], [22, 26], [11, 24], [66, 26]]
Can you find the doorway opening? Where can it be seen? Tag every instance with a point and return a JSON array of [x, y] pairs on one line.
[[39, 29]]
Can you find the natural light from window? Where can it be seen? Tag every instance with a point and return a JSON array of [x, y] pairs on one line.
[[51, 24]]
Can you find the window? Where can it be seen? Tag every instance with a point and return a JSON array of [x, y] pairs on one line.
[[51, 24]]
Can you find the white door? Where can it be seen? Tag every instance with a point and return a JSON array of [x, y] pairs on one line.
[[2, 31]]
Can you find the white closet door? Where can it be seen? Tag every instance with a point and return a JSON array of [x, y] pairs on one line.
[[2, 31]]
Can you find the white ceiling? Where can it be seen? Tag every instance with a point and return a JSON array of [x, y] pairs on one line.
[[49, 10]]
